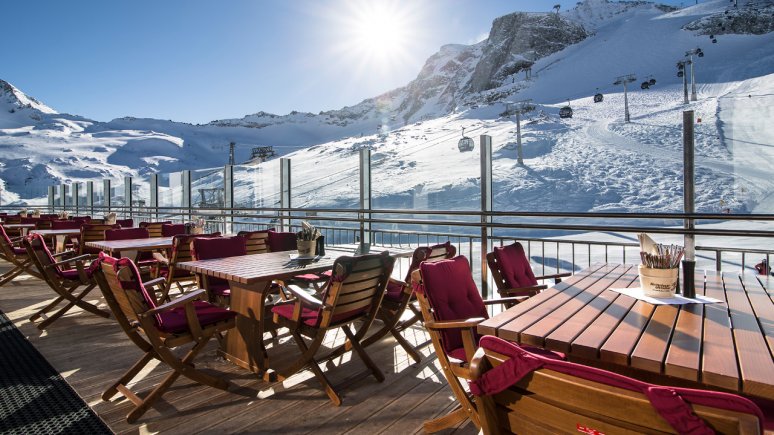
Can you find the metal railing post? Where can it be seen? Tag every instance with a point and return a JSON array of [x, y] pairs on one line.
[[51, 196], [63, 194], [365, 198], [127, 197], [154, 197], [486, 207], [185, 178], [688, 184], [106, 196], [77, 197], [228, 198], [89, 198], [284, 191]]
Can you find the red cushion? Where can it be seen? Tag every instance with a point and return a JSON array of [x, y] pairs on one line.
[[125, 223], [309, 317], [218, 287], [514, 266], [394, 291], [65, 225], [72, 274], [169, 230], [126, 234], [220, 247], [279, 241], [174, 321], [19, 251], [451, 291], [672, 403]]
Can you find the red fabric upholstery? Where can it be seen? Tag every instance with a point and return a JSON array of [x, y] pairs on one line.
[[205, 248], [394, 291], [514, 266], [29, 220], [672, 403], [309, 317], [71, 274], [126, 234], [173, 321], [81, 219], [449, 287], [125, 223], [279, 241], [145, 224], [169, 230], [65, 225], [19, 251]]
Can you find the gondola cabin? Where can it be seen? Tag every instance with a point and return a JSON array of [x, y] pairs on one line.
[[565, 112], [645, 85], [465, 144], [598, 98]]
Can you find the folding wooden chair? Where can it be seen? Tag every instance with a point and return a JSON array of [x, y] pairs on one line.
[[64, 282], [452, 307], [12, 251], [352, 295], [154, 228], [257, 242], [93, 233], [167, 267], [513, 274], [158, 329], [143, 259], [521, 392]]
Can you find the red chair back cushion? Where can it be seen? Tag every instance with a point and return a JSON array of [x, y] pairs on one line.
[[126, 234], [125, 223], [169, 230], [65, 225], [220, 247], [514, 266], [453, 295], [279, 241]]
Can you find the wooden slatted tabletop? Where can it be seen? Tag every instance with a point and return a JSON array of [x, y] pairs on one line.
[[57, 232], [116, 246], [728, 345]]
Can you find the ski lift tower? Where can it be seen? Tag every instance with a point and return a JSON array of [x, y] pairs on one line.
[[689, 54], [231, 146], [263, 153], [520, 107], [623, 80]]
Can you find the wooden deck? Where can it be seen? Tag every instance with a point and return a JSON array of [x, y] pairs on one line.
[[92, 352]]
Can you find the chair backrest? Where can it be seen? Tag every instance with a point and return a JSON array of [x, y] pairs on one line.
[[519, 390], [125, 223], [44, 224], [125, 286], [356, 288], [6, 245], [49, 216], [38, 251], [65, 225], [29, 220], [93, 233], [169, 230], [126, 233], [12, 219], [257, 241], [282, 241], [181, 246], [510, 267], [154, 228], [451, 294], [81, 219], [443, 251], [218, 247]]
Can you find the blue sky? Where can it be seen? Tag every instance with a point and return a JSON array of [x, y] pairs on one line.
[[199, 60]]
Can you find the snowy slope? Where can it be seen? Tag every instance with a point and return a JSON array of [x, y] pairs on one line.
[[592, 162]]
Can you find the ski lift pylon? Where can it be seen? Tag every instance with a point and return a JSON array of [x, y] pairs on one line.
[[465, 144]]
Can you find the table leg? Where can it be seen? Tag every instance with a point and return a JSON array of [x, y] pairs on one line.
[[244, 345]]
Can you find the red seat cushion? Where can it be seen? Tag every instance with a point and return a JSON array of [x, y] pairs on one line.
[[514, 266], [451, 291], [19, 251], [174, 321], [309, 317], [72, 274], [394, 291]]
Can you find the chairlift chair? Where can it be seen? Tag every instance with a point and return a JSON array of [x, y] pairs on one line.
[[565, 112], [652, 82], [645, 85], [598, 98], [465, 144]]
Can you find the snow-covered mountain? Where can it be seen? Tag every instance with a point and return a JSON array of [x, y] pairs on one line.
[[592, 162]]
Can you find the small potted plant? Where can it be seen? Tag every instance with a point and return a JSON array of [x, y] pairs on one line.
[[306, 239], [111, 217], [198, 226]]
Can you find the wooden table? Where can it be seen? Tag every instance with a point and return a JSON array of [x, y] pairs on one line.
[[23, 227], [250, 278], [60, 235], [726, 346], [115, 247]]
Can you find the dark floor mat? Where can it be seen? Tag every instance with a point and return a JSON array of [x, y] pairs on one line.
[[34, 398]]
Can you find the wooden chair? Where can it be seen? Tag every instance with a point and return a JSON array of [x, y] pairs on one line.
[[452, 307], [12, 251], [154, 228], [400, 295], [352, 295], [521, 392], [512, 273], [92, 233], [218, 290], [257, 242], [158, 329], [143, 259], [64, 282], [167, 266]]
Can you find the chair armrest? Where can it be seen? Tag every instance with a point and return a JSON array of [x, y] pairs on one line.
[[61, 254], [187, 298], [154, 282], [454, 324], [70, 260], [530, 289], [510, 300], [303, 297], [556, 276]]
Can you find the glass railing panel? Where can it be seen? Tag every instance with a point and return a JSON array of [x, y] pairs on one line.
[[256, 191]]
